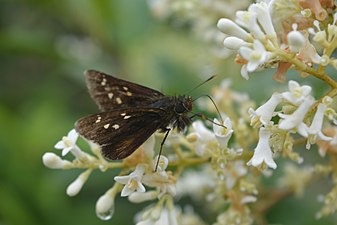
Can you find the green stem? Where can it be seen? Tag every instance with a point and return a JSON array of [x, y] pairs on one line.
[[303, 67]]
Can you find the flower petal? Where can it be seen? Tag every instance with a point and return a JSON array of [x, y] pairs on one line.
[[60, 145], [73, 135]]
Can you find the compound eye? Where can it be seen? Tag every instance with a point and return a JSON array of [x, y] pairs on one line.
[[180, 108]]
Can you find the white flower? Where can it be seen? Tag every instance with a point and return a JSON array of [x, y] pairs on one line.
[[332, 30], [202, 132], [53, 161], [75, 187], [295, 120], [162, 162], [132, 182], [265, 112], [230, 28], [167, 216], [244, 72], [314, 132], [296, 40], [204, 137], [263, 152], [105, 205], [263, 17], [296, 93], [163, 181], [68, 142], [234, 43], [223, 134], [138, 197], [248, 20], [330, 113], [256, 56]]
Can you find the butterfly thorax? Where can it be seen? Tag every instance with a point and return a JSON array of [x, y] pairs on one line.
[[176, 110]]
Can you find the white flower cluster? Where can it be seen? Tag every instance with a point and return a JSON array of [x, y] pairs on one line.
[[209, 165], [300, 101], [250, 43], [259, 44], [225, 169], [204, 139], [143, 183], [133, 184]]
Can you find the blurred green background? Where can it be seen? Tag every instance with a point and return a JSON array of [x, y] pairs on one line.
[[44, 48]]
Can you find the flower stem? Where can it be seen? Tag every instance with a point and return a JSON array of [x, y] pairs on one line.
[[303, 67]]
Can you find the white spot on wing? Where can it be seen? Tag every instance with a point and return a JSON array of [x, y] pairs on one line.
[[103, 83], [98, 119], [128, 93], [125, 88], [126, 117], [115, 126], [106, 126], [123, 114], [119, 100], [110, 95]]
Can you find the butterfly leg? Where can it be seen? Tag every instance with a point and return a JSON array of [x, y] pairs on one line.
[[161, 147]]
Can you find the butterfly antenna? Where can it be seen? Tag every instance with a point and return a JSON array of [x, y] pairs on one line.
[[210, 78], [216, 107]]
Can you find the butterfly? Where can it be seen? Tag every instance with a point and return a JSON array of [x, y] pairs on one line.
[[130, 114]]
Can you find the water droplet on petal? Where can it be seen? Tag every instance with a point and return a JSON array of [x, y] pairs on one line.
[[105, 207], [107, 214]]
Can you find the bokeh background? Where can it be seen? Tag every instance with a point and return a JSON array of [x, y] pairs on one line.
[[44, 48]]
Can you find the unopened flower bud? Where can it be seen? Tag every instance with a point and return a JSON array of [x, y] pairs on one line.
[[234, 43], [232, 29], [105, 206], [138, 197], [296, 40], [53, 161], [75, 187]]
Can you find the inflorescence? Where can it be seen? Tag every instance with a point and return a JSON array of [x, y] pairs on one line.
[[221, 166]]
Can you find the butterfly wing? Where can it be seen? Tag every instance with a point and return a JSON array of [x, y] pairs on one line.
[[120, 132], [110, 92]]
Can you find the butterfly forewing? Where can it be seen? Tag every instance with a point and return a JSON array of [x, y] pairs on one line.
[[120, 132], [111, 93]]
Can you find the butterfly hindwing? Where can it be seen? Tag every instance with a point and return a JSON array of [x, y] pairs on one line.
[[120, 132], [111, 93]]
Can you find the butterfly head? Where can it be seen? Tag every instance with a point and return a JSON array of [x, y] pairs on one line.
[[183, 105]]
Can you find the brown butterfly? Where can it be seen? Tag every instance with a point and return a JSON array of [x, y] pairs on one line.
[[131, 113]]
